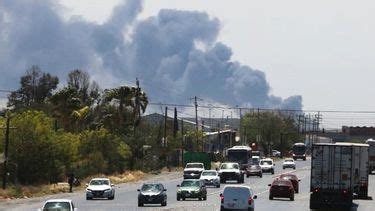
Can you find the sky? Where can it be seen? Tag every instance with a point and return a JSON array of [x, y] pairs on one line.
[[312, 54]]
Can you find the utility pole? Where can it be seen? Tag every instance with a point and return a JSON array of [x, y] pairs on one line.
[[165, 127], [7, 128], [182, 142], [137, 112], [196, 120]]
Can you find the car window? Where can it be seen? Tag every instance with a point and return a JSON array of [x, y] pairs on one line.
[[254, 167], [57, 206], [209, 173], [194, 165], [190, 184], [266, 162], [236, 190], [282, 182], [288, 177], [151, 187], [99, 182], [229, 166]]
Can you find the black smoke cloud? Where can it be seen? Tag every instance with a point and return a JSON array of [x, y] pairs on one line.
[[175, 54]]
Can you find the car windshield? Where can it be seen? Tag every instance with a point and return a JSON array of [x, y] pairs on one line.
[[236, 191], [288, 160], [194, 165], [229, 166], [190, 184], [266, 162], [254, 167], [289, 177], [282, 182], [99, 182], [57, 206], [151, 187], [209, 173]]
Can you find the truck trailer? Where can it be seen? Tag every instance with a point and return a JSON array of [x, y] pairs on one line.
[[336, 171]]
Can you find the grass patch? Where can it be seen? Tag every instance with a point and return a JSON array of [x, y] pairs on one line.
[[18, 191]]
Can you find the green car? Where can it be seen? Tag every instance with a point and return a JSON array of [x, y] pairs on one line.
[[192, 188]]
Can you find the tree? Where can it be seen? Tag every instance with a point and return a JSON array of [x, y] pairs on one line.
[[36, 87], [80, 81]]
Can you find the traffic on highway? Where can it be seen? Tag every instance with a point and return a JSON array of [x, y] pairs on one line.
[[232, 186]]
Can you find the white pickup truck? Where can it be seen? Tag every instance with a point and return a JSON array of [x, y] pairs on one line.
[[193, 170]]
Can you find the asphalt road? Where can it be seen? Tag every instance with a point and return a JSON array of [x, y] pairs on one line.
[[126, 195]]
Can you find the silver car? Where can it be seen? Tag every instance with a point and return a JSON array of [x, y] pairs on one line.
[[210, 177], [100, 188]]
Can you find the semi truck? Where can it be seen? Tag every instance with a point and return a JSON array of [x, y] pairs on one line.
[[371, 155], [337, 173]]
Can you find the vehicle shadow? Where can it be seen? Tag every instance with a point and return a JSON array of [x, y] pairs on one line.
[[353, 208], [281, 199]]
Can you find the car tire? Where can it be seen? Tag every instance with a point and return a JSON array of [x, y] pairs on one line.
[[164, 203], [270, 197], [178, 198], [261, 175], [218, 186], [183, 199], [250, 209], [222, 181], [88, 198], [294, 168], [273, 171], [200, 198], [247, 176], [140, 204], [292, 198], [297, 191], [205, 198], [111, 198], [283, 167]]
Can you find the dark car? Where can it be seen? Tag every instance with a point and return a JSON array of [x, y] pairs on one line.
[[281, 188], [152, 193], [254, 170], [293, 178], [192, 188]]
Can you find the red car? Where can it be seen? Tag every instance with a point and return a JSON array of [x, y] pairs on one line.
[[281, 188], [293, 178]]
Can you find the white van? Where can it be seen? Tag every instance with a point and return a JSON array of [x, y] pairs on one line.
[[237, 197]]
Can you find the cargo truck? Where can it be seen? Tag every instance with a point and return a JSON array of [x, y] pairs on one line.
[[361, 168], [371, 155], [336, 171]]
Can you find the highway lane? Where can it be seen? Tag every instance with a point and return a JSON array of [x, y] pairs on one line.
[[126, 195]]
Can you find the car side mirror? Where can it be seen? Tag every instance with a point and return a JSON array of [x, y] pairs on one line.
[[138, 190], [87, 185], [221, 194], [165, 190], [255, 197], [112, 185], [299, 180], [269, 185], [178, 185]]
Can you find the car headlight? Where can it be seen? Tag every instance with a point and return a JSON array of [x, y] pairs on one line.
[[178, 191], [88, 190], [106, 190], [197, 191]]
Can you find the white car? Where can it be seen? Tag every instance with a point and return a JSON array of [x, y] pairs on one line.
[[210, 177], [237, 197], [193, 170], [58, 204], [100, 188], [267, 165], [289, 163]]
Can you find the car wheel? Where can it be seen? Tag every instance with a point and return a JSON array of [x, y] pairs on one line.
[[178, 198], [283, 167], [292, 198], [250, 209], [164, 203], [273, 172], [261, 175], [270, 197], [218, 186], [183, 199], [140, 204], [297, 190], [205, 198], [88, 198], [247, 176], [294, 168], [200, 198]]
